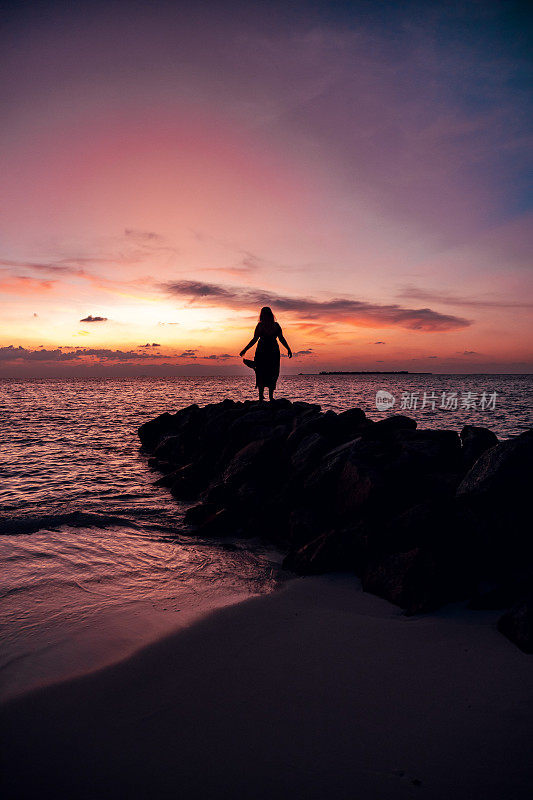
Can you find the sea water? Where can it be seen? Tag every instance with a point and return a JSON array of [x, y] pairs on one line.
[[95, 559]]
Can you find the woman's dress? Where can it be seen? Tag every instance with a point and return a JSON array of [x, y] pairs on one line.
[[266, 360]]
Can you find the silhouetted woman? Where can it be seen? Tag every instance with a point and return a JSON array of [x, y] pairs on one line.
[[266, 361]]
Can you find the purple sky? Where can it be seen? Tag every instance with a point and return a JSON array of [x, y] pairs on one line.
[[362, 167]]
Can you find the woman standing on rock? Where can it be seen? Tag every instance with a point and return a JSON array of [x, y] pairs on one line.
[[266, 361]]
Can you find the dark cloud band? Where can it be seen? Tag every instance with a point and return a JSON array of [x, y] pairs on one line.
[[356, 312]]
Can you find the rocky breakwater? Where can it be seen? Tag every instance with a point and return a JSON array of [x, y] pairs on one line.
[[424, 517]]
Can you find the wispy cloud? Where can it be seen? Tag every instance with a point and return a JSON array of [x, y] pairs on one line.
[[450, 299], [348, 310], [54, 267], [215, 357], [142, 236], [71, 353], [194, 354], [132, 247], [12, 353], [23, 284]]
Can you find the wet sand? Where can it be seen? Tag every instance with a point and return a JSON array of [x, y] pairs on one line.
[[318, 690]]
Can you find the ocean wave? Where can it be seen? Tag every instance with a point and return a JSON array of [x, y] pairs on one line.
[[10, 526]]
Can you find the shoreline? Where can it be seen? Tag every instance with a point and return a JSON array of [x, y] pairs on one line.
[[99, 642], [316, 689]]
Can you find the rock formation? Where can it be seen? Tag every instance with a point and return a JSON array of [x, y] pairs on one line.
[[423, 516]]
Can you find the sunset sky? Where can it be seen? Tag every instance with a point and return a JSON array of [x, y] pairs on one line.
[[169, 168]]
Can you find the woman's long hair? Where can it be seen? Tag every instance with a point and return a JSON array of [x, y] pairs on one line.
[[266, 315]]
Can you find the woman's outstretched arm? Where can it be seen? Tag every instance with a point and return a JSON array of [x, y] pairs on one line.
[[250, 343], [284, 343]]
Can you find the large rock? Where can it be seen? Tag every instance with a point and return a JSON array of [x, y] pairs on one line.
[[303, 526], [384, 476], [325, 553], [187, 481], [517, 625], [308, 452], [496, 491], [423, 516], [418, 580], [323, 424], [429, 449], [502, 470], [407, 579], [475, 441], [257, 461], [151, 432], [320, 483], [390, 425], [505, 593]]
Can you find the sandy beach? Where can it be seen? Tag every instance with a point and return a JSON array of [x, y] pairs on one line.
[[317, 690]]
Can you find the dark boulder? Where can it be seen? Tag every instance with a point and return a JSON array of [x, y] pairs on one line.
[[256, 461], [168, 478], [323, 424], [517, 625], [351, 423], [496, 492], [412, 580], [217, 493], [433, 523], [308, 452], [222, 523], [161, 465], [323, 554], [402, 578], [302, 408], [358, 483], [321, 482], [151, 432], [332, 551], [504, 468], [475, 441], [505, 593], [423, 557], [169, 448], [387, 475], [353, 418], [388, 426], [200, 514], [256, 424], [303, 526], [429, 449], [187, 482]]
